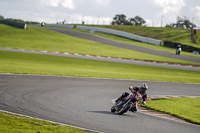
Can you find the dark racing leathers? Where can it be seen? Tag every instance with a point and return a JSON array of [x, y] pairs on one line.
[[135, 89]]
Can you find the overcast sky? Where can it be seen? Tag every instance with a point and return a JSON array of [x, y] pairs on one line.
[[101, 11]]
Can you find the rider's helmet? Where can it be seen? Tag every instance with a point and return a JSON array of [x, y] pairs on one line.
[[143, 87]]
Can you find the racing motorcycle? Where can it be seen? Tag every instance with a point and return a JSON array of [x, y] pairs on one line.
[[125, 104]]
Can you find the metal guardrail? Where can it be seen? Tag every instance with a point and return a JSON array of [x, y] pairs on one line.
[[13, 23], [122, 34], [61, 25]]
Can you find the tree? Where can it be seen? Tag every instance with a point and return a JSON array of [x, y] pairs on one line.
[[1, 17], [131, 21], [182, 22], [119, 19], [138, 21]]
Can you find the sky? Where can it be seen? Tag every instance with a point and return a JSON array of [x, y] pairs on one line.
[[156, 13]]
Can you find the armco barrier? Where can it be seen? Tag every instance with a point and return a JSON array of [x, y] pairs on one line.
[[183, 47], [61, 25], [13, 23], [122, 34]]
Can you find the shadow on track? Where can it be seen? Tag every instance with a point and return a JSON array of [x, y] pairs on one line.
[[110, 113], [103, 112]]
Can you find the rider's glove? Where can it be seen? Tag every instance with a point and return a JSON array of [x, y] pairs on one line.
[[131, 87]]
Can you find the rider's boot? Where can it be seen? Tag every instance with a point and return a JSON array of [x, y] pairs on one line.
[[133, 109]]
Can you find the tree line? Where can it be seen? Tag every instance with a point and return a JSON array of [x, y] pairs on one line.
[[120, 19], [18, 20]]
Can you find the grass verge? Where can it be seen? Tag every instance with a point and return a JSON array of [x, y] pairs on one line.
[[19, 124], [45, 40], [26, 63], [186, 108]]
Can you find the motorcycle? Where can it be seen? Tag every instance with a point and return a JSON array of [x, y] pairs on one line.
[[125, 104]]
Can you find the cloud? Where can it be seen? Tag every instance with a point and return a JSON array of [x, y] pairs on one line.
[[170, 5], [198, 11], [103, 2], [56, 3]]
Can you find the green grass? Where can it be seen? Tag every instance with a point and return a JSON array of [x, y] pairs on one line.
[[40, 39], [25, 63], [10, 123], [141, 44], [166, 34], [187, 108]]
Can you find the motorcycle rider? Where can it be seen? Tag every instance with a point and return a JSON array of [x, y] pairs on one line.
[[142, 90]]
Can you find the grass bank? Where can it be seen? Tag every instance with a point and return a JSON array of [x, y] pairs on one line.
[[10, 123], [186, 108], [25, 63], [40, 39], [166, 34]]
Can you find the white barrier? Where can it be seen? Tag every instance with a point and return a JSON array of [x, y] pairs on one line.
[[122, 34], [61, 25]]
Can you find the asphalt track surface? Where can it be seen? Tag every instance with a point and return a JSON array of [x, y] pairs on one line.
[[86, 102], [124, 45]]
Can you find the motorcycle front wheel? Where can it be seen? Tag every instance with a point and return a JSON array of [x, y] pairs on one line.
[[124, 109], [113, 109]]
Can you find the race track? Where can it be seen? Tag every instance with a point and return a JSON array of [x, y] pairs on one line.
[[124, 45], [86, 102]]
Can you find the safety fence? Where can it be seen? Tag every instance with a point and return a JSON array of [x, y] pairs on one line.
[[61, 25], [122, 34], [13, 23]]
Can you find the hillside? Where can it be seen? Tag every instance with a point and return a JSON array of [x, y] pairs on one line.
[[45, 40], [165, 34]]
